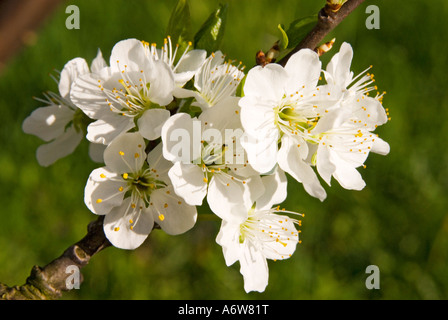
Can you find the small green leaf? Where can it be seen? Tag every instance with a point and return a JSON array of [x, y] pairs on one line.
[[298, 29], [285, 40], [210, 35], [179, 25], [240, 88]]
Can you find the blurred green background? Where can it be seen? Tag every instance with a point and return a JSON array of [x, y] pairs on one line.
[[399, 222]]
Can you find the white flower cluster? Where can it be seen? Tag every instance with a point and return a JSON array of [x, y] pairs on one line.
[[160, 163]]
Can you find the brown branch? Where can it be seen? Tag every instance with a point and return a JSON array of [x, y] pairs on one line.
[[49, 282], [327, 20]]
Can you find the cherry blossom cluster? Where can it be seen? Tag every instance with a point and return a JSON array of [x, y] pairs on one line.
[[248, 132]]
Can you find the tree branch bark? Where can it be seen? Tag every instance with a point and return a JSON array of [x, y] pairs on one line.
[[327, 20], [49, 282]]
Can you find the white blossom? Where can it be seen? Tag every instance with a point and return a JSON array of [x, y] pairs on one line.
[[279, 108], [208, 161], [215, 81], [262, 234], [61, 123], [133, 91], [134, 192]]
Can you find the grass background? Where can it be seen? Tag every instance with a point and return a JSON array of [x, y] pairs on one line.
[[399, 222]]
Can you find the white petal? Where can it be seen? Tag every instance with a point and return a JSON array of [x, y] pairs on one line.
[[348, 177], [303, 69], [192, 61], [228, 239], [188, 182], [126, 153], [323, 164], [188, 66], [368, 110], [117, 226], [254, 189], [72, 69], [380, 146], [127, 54], [291, 161], [185, 93], [260, 140], [96, 152], [338, 69], [159, 164], [332, 120], [203, 73], [226, 198], [98, 63], [266, 82], [49, 122], [87, 95], [181, 136], [171, 212], [161, 79], [275, 186], [151, 122], [284, 248], [60, 147], [108, 128], [256, 114], [104, 190], [261, 150], [215, 116], [254, 268]]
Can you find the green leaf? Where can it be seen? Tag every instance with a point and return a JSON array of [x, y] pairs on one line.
[[210, 35], [285, 40], [179, 25], [240, 88], [298, 29]]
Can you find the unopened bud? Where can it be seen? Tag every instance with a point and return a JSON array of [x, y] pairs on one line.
[[270, 56], [335, 5], [325, 47]]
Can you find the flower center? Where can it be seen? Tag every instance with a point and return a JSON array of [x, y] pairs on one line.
[[141, 184], [129, 95], [291, 121], [219, 81], [214, 161], [265, 227]]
